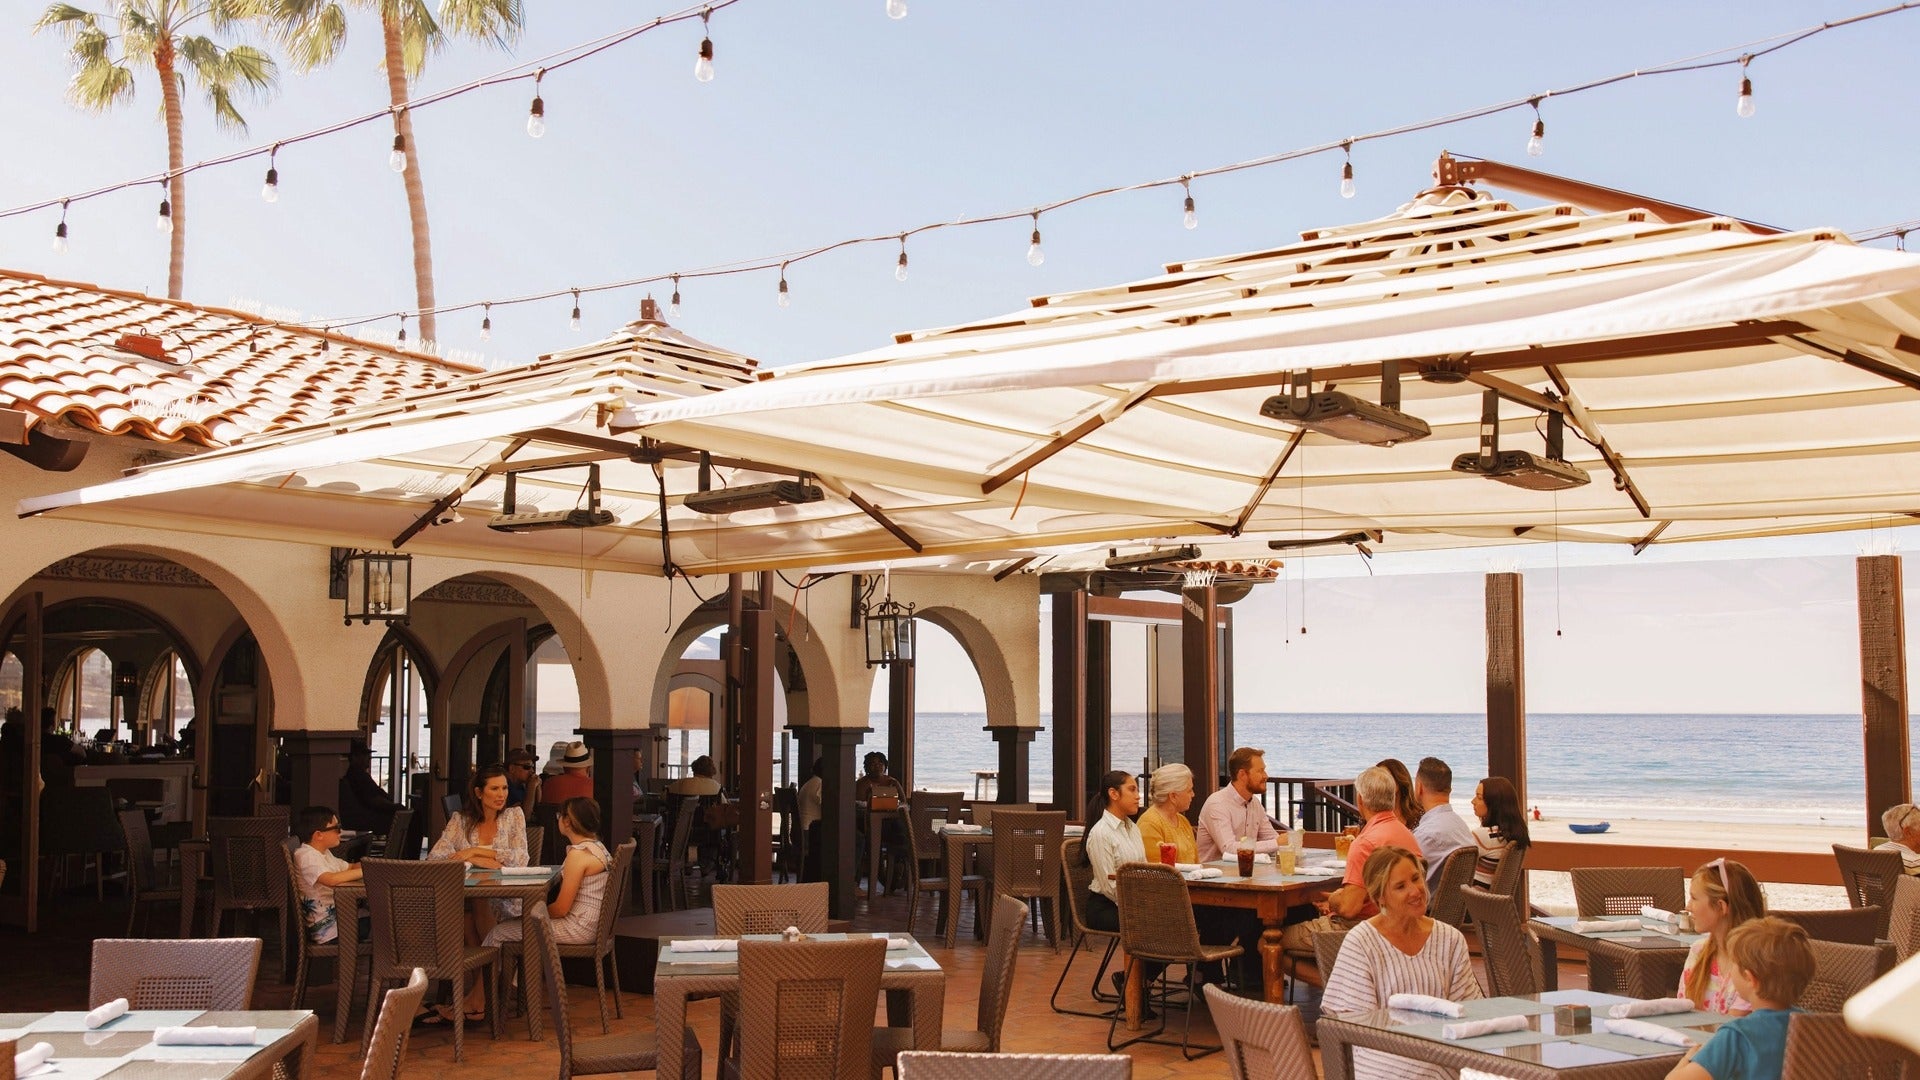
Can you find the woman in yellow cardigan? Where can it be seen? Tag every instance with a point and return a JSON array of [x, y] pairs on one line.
[[1166, 820]]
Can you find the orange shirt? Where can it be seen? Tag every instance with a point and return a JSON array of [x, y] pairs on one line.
[[1383, 829]]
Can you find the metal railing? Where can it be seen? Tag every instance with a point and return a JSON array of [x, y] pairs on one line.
[[1316, 805]]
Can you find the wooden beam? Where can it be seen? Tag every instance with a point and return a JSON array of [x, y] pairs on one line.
[[1584, 421], [1514, 392], [1795, 867], [1012, 568], [1464, 171], [1266, 482], [1883, 685], [900, 716], [1053, 446], [757, 733], [1507, 682], [446, 502], [886, 523], [1641, 544], [1200, 686]]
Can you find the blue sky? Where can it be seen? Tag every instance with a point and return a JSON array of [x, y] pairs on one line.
[[828, 120]]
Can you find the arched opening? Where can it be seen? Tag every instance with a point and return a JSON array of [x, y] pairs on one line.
[[553, 693], [950, 740], [394, 713], [166, 697], [84, 702], [237, 748], [13, 679]]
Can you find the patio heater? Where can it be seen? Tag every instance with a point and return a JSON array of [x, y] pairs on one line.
[[373, 584], [1521, 468]]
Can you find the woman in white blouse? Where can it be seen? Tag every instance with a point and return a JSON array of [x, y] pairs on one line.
[[1398, 951], [1112, 841], [487, 834]]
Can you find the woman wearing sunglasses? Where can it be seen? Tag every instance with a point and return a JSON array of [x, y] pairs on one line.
[[1724, 894]]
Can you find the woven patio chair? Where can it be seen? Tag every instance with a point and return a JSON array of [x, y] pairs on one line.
[[813, 1004], [934, 1065], [985, 813], [419, 919], [646, 845], [399, 830], [310, 950], [931, 865], [763, 909], [200, 973], [248, 871], [78, 821], [1263, 1041], [1903, 922], [996, 990], [1510, 879], [1326, 950], [1156, 923], [600, 950], [1624, 890], [1869, 876], [1079, 875], [1841, 971], [1446, 904], [1850, 926], [546, 817], [1026, 862], [390, 1032], [686, 808], [1512, 954], [639, 1052], [536, 852], [148, 885], [1821, 1047]]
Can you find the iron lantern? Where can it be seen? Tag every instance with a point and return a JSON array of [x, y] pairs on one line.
[[374, 584], [889, 632]]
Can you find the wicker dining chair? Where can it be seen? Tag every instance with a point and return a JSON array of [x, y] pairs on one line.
[[1446, 904], [1821, 1047], [599, 950], [148, 886], [996, 990], [813, 1004], [1624, 890], [199, 973], [1512, 955], [536, 852], [1079, 875], [1850, 926], [635, 1052], [1841, 971], [1156, 924], [1026, 863], [418, 910], [1326, 950], [686, 808], [763, 909], [1903, 922], [310, 950], [930, 873], [1869, 876], [389, 1046], [399, 834], [935, 1065], [248, 870], [1263, 1041], [646, 847], [1510, 879]]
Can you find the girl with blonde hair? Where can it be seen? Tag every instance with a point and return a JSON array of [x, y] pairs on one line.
[[1724, 894]]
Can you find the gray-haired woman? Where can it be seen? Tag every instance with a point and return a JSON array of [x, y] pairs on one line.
[[1165, 822]]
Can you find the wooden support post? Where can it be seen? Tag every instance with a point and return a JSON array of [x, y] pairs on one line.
[[755, 755], [318, 764], [837, 846], [1069, 701], [1506, 682], [1014, 744], [1097, 753], [613, 774], [1883, 685], [900, 688], [1200, 682]]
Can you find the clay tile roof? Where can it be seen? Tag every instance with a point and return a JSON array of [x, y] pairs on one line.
[[74, 352]]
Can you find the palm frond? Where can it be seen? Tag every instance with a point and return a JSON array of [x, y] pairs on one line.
[[311, 32], [492, 22], [252, 68], [224, 114], [420, 35], [101, 86], [67, 19]]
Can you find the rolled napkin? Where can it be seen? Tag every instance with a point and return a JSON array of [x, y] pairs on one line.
[[1467, 1029], [1204, 873], [1648, 911], [204, 1036], [32, 1057], [895, 943], [1640, 1029], [1188, 867], [107, 1014], [1604, 926], [1426, 1004], [1658, 1007], [706, 945]]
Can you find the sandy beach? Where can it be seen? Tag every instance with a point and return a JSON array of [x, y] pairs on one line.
[[1554, 890]]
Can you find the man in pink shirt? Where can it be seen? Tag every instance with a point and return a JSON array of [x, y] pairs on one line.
[[1376, 793]]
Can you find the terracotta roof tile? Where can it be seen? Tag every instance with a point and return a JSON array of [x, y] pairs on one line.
[[226, 374]]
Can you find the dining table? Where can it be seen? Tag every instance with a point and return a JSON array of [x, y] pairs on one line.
[[523, 885], [125, 1049], [1632, 960], [1541, 1050], [912, 980]]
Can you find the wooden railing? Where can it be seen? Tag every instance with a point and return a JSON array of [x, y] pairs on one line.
[[1313, 804]]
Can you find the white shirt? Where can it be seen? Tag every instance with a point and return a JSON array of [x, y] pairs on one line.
[[316, 900], [1226, 817], [810, 802], [1113, 842]]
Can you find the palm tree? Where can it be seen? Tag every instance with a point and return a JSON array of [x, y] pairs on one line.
[[106, 48], [312, 32]]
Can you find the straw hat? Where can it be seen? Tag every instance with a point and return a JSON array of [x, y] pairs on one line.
[[577, 756]]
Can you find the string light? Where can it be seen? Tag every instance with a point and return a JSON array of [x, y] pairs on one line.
[[1188, 218], [60, 231], [486, 323], [1743, 106], [397, 160], [1346, 171], [673, 305], [1537, 145], [896, 9], [403, 331], [537, 113], [900, 268], [1035, 256], [573, 321], [164, 221], [270, 191], [703, 65], [785, 298]]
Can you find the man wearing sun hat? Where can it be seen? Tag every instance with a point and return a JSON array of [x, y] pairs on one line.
[[574, 780]]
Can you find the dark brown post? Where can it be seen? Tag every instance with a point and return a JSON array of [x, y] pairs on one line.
[[1097, 725], [1014, 762], [837, 863], [613, 775], [755, 757], [1506, 683], [900, 679], [1070, 701], [1200, 681], [319, 763], [1883, 685]]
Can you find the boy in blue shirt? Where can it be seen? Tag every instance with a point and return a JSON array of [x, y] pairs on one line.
[[1772, 965]]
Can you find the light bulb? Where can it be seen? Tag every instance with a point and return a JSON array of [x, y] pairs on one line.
[[486, 326], [1537, 145], [900, 268], [403, 333], [164, 222], [573, 321], [1189, 218], [537, 118], [896, 9], [270, 191], [703, 67], [1346, 181], [397, 160], [1744, 106], [1035, 256], [785, 298], [60, 238], [673, 305]]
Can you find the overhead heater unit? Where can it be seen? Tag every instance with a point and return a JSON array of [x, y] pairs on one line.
[[1343, 416], [587, 517], [754, 497], [1148, 560], [1521, 468]]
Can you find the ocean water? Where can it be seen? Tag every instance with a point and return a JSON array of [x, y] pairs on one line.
[[1804, 769]]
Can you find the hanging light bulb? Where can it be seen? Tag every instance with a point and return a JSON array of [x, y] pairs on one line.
[[60, 231], [1035, 256], [1744, 106], [403, 331], [896, 9], [1346, 171], [573, 321], [397, 160], [1188, 218], [703, 66], [164, 222], [785, 298], [1537, 144], [673, 305], [486, 323], [270, 191], [900, 268], [537, 113]]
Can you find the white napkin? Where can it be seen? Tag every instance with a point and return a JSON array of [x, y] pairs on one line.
[[1426, 1004], [1188, 867], [204, 1036], [1648, 911], [1657, 1007], [1640, 1029], [965, 828], [528, 870], [107, 1014], [706, 945], [1467, 1029], [1204, 873], [32, 1057], [1604, 926], [896, 943]]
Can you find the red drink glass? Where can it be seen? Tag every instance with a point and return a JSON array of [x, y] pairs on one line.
[[1246, 862], [1169, 853]]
